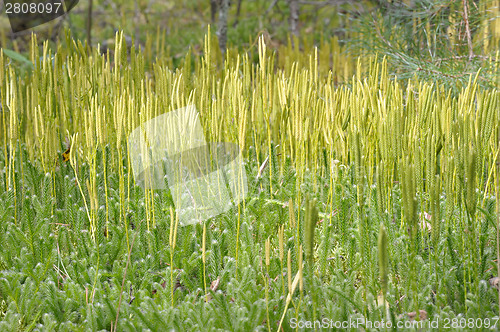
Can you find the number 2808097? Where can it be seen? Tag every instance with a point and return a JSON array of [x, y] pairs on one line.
[[33, 8]]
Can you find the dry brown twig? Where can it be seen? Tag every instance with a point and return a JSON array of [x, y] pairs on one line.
[[467, 29]]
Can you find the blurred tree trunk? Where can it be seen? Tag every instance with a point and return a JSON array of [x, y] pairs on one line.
[[89, 25], [238, 10], [294, 17], [222, 25], [213, 10]]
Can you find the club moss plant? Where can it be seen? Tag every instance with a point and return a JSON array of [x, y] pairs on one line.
[[107, 254]]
